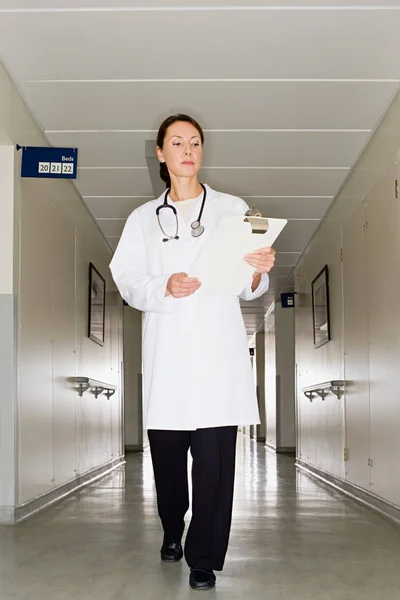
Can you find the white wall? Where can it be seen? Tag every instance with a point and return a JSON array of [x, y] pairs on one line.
[[59, 434], [285, 353], [270, 379], [133, 410], [365, 346], [279, 378], [6, 220], [8, 315], [260, 367]]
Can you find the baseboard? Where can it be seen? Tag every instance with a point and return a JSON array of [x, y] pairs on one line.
[[372, 501], [132, 448], [282, 449], [286, 450], [7, 515], [11, 515]]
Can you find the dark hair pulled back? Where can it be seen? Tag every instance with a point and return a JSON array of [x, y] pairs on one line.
[[179, 118]]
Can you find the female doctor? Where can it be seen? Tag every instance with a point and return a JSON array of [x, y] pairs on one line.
[[197, 377]]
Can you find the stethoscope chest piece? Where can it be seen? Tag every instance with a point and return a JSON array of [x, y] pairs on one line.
[[197, 229]]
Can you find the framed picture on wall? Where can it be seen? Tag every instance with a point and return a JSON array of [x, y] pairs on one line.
[[320, 308], [97, 305]]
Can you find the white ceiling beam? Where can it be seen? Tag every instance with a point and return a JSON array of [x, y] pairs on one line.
[[277, 8], [154, 131], [219, 80]]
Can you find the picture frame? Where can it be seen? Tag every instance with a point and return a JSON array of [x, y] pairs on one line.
[[320, 308], [97, 306]]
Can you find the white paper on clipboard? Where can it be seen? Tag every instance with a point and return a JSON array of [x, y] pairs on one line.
[[220, 266]]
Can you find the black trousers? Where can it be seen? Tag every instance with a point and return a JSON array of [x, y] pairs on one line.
[[213, 473]]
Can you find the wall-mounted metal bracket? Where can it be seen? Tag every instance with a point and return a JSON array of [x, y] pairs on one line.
[[83, 385], [97, 390], [97, 387], [337, 388], [322, 390], [309, 394]]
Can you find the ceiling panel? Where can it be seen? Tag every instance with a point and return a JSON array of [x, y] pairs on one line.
[[114, 182], [266, 299], [284, 146], [113, 207], [280, 271], [257, 148], [369, 37], [276, 276], [250, 308], [217, 105], [288, 245], [274, 149], [300, 229], [272, 182], [241, 182], [286, 259], [262, 301], [112, 149]]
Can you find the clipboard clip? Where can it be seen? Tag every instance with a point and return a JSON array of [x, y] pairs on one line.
[[259, 224]]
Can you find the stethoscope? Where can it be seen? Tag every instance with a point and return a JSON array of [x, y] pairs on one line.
[[196, 226]]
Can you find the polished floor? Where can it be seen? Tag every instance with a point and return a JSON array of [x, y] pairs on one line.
[[292, 539]]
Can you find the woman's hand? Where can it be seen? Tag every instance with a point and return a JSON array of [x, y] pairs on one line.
[[181, 285], [262, 260]]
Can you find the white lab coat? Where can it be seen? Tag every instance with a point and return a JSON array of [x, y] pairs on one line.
[[196, 365]]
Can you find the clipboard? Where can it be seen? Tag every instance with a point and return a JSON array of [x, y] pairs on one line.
[[220, 265]]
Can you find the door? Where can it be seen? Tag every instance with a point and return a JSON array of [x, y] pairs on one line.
[[383, 235], [356, 349]]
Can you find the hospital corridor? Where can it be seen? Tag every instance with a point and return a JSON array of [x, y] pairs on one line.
[[199, 299], [292, 537]]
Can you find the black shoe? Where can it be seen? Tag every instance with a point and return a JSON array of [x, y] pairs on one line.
[[171, 552], [202, 579]]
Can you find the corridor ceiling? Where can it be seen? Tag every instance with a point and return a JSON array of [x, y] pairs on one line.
[[289, 92]]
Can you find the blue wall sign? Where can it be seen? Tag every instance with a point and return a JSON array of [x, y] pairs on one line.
[[287, 300], [52, 163]]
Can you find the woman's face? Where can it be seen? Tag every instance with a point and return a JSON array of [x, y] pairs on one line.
[[182, 150]]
